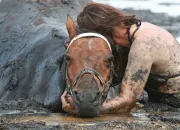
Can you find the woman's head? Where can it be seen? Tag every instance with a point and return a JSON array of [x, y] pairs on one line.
[[102, 18]]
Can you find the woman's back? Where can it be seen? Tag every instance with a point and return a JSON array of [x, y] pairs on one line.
[[165, 52]]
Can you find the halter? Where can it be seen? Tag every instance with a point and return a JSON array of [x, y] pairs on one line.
[[90, 35], [91, 71]]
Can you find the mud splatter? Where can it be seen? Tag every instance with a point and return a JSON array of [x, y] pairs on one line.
[[139, 75]]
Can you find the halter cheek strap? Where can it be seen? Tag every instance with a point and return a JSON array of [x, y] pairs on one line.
[[91, 71]]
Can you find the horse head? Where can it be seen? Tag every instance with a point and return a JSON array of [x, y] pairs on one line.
[[89, 66]]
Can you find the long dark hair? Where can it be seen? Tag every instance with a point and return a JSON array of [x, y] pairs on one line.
[[101, 18]]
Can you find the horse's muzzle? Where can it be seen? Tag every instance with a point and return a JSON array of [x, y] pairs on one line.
[[88, 111]]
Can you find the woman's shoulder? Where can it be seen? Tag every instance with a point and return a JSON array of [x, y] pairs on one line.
[[150, 35], [145, 44]]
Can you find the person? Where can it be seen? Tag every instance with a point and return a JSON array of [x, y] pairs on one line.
[[152, 50]]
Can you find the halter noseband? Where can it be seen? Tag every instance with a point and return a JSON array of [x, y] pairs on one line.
[[91, 71]]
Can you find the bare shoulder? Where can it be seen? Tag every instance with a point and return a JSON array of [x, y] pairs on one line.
[[144, 46]]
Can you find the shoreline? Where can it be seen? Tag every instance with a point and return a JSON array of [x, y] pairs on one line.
[[160, 18], [155, 6]]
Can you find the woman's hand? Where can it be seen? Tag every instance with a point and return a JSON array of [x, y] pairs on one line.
[[67, 103], [115, 105]]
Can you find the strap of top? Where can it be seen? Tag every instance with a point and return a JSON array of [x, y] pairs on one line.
[[130, 38]]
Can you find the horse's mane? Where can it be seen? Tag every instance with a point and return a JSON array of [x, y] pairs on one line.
[[120, 61]]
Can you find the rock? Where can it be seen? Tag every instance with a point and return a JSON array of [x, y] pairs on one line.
[[32, 34]]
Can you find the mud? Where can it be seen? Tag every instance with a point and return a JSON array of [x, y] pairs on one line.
[[32, 34], [25, 114], [59, 121]]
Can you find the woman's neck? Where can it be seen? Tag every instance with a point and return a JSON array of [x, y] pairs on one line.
[[132, 29], [133, 32]]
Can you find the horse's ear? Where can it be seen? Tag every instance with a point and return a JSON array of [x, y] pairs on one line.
[[71, 27]]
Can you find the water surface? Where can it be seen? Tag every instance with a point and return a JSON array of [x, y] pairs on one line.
[[170, 7], [55, 118]]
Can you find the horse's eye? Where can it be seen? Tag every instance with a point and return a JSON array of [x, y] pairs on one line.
[[67, 58], [110, 59]]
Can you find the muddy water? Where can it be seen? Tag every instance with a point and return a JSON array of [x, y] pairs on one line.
[[23, 111], [33, 119], [55, 119]]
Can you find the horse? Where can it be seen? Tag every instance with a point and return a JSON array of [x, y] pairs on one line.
[[94, 66], [90, 69]]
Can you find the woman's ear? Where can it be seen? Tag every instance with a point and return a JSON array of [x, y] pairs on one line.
[[124, 31], [119, 31], [71, 27]]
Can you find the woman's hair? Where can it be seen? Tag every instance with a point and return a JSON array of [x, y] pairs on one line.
[[101, 18]]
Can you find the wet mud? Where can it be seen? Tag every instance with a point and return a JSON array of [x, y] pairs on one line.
[[27, 114], [32, 34]]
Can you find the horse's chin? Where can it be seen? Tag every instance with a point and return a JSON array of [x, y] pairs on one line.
[[87, 110]]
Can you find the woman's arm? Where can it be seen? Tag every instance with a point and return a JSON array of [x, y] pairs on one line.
[[140, 60]]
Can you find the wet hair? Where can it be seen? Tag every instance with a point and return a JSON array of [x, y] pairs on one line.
[[101, 18]]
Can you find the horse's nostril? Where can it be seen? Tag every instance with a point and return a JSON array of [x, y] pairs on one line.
[[98, 93], [75, 92]]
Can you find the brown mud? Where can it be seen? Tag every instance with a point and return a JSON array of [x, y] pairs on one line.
[[30, 115], [26, 29]]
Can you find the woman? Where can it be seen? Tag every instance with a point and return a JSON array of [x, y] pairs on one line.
[[152, 50]]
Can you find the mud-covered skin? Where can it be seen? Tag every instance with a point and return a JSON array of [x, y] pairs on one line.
[[166, 58], [153, 50]]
